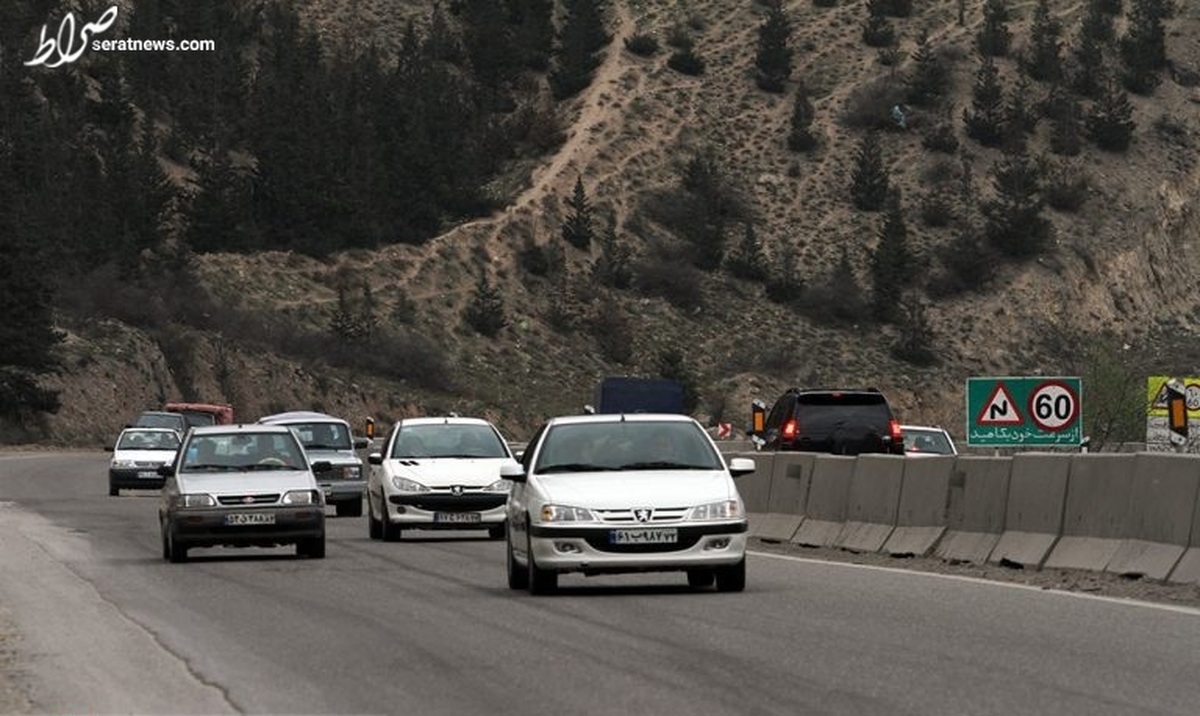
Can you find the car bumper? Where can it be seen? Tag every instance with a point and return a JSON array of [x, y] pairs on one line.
[[144, 478], [446, 511], [208, 528], [342, 490], [591, 550]]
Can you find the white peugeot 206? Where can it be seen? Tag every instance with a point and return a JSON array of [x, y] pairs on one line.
[[606, 494]]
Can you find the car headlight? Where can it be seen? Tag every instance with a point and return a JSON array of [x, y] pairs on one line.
[[723, 510], [351, 472], [499, 486], [302, 497], [403, 484], [564, 513], [124, 463], [195, 500]]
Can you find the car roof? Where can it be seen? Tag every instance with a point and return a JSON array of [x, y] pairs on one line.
[[147, 429], [620, 418], [442, 420], [249, 428], [301, 416]]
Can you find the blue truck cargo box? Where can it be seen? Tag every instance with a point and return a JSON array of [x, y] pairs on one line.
[[639, 395]]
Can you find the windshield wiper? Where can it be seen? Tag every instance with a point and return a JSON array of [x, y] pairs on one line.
[[207, 468], [574, 467]]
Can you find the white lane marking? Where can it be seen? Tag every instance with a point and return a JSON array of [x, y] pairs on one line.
[[992, 582]]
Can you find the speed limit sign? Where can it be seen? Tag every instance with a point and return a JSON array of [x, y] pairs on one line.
[[1053, 406]]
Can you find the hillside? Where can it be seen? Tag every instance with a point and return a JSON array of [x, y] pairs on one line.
[[1123, 264]]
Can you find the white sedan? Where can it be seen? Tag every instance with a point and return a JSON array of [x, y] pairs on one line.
[[136, 457], [597, 494], [927, 440], [438, 473]]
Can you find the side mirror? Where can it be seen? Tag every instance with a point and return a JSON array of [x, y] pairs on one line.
[[322, 466], [513, 470], [375, 458], [739, 466], [361, 443]]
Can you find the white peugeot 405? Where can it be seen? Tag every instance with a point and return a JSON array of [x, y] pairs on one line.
[[438, 473], [605, 494]]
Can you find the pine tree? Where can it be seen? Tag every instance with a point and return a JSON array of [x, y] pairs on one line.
[[891, 263], [1110, 122], [801, 137], [1020, 116], [985, 120], [1143, 47], [1066, 122], [784, 285], [1089, 53], [672, 365], [839, 299], [927, 82], [582, 36], [994, 38], [1044, 60], [577, 230], [870, 180], [877, 31], [614, 266], [916, 340], [747, 260], [485, 312], [1014, 221], [774, 58]]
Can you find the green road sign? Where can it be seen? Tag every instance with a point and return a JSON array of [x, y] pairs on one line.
[[1017, 411]]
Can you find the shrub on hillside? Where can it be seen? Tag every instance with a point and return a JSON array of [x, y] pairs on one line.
[[642, 45], [870, 105]]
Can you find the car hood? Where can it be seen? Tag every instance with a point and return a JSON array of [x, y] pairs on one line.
[[159, 456], [241, 483], [651, 488], [443, 472]]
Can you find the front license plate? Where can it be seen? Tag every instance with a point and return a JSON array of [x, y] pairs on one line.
[[147, 474], [660, 535], [250, 518], [461, 518]]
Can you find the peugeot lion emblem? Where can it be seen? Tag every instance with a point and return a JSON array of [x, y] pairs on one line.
[[456, 490], [643, 514]]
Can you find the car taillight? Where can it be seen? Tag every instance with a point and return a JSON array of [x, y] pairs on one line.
[[791, 427], [897, 438]]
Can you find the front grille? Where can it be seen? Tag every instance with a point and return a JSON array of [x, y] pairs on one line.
[[600, 543], [628, 517], [263, 499], [467, 502], [146, 464]]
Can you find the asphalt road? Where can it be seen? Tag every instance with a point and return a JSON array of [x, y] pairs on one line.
[[428, 626]]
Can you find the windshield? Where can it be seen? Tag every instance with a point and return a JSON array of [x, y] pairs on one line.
[[930, 441], [632, 445], [148, 440], [439, 440], [243, 451], [322, 436]]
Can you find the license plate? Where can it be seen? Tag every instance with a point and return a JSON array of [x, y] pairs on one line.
[[147, 474], [457, 517], [659, 535], [250, 518]]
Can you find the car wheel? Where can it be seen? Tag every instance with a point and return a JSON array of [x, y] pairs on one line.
[[349, 509], [497, 531], [732, 579], [541, 581], [175, 552], [700, 578], [113, 490], [374, 525], [389, 531], [518, 576], [166, 546], [313, 548]]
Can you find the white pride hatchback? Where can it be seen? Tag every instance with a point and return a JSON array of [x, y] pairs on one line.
[[610, 494]]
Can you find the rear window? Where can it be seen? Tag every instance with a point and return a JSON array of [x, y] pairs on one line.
[[825, 413]]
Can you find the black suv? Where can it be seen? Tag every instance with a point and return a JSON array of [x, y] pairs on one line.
[[841, 422]]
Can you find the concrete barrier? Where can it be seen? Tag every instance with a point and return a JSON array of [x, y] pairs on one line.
[[1034, 509], [828, 496], [978, 496], [1158, 525], [790, 480], [921, 516], [755, 488], [872, 504], [1188, 569], [1094, 514]]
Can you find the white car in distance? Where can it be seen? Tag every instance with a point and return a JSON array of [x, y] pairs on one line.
[[620, 493]]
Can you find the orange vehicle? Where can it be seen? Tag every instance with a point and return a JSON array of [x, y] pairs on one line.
[[203, 413]]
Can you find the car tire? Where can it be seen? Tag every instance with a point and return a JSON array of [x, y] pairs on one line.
[[389, 531], [176, 552], [166, 546], [374, 525], [541, 581], [497, 531], [113, 490], [700, 578], [518, 575], [733, 578], [349, 509], [313, 548]]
